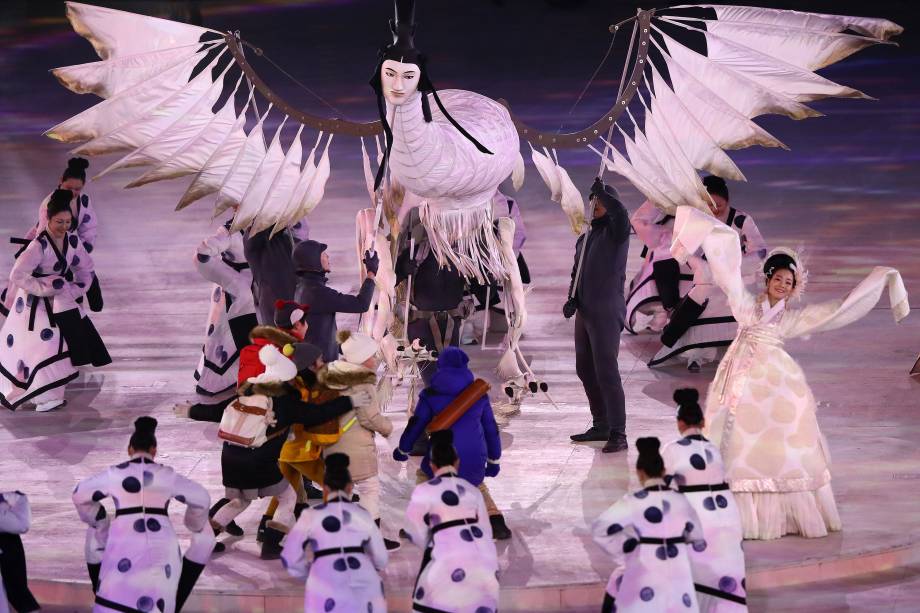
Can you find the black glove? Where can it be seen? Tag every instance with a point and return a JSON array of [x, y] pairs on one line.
[[569, 308], [411, 268], [371, 262]]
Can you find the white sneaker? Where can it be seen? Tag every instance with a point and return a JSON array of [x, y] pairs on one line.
[[44, 407]]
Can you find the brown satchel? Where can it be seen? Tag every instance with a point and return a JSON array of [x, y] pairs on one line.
[[459, 406]]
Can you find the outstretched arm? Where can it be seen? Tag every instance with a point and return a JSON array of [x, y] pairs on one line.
[[856, 305], [337, 302], [290, 410]]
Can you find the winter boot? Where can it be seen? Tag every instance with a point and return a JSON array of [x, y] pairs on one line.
[[271, 544], [500, 530], [260, 533], [232, 528], [390, 545]]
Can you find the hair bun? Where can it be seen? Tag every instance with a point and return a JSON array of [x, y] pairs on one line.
[[337, 462], [686, 395], [145, 424], [78, 163], [714, 181], [648, 444]]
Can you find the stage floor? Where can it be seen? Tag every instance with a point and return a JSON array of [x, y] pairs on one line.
[[852, 209]]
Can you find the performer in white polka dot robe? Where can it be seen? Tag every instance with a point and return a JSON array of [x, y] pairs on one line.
[[220, 259], [649, 534], [142, 566], [694, 467], [50, 275], [760, 411], [338, 549], [447, 517]]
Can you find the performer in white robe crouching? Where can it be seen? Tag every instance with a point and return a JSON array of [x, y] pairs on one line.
[[338, 549], [142, 567], [649, 533], [694, 467], [447, 516], [760, 410]]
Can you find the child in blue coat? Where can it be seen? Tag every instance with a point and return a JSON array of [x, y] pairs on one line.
[[475, 433]]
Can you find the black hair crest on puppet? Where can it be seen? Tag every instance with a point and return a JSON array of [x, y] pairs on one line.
[[144, 437], [402, 49]]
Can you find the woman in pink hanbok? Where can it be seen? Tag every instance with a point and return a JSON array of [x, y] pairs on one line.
[[760, 410]]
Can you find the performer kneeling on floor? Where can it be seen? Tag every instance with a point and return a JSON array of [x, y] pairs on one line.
[[648, 534], [46, 335], [456, 400], [597, 302], [140, 566], [694, 467], [337, 547], [459, 570], [702, 321]]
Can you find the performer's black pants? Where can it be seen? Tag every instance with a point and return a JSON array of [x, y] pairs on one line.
[[13, 569], [597, 348]]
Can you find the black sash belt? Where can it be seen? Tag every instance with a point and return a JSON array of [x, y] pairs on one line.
[[651, 540], [711, 591], [718, 487], [115, 606], [453, 524], [33, 311], [322, 553], [137, 510]]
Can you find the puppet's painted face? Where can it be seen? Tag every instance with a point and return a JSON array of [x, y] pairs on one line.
[[399, 81]]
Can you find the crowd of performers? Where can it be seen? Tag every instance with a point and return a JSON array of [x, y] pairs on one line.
[[299, 407]]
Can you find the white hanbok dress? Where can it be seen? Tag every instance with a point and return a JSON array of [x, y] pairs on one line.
[[35, 362], [715, 327], [141, 558], [220, 259], [649, 533], [643, 303], [339, 550], [760, 411], [695, 469], [459, 571]]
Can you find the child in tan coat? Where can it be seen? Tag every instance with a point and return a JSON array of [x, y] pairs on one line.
[[356, 369]]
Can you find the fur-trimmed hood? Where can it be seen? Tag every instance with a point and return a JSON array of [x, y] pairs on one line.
[[340, 375], [275, 336], [273, 390]]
